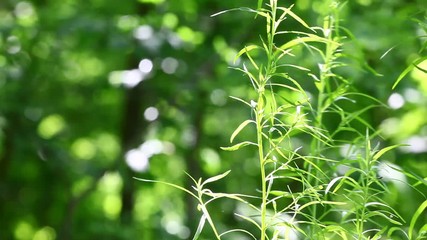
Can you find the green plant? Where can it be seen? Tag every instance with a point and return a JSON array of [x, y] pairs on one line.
[[329, 186]]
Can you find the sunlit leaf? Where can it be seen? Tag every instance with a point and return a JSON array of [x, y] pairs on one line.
[[238, 230], [237, 146], [167, 183], [240, 128], [216, 178], [331, 183], [200, 227], [293, 15], [386, 149], [249, 220], [246, 50], [310, 38], [408, 69], [415, 217]]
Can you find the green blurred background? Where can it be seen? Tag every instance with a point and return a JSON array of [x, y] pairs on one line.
[[96, 92]]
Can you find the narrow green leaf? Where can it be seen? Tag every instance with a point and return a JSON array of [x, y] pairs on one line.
[[421, 69], [280, 193], [246, 50], [331, 183], [259, 4], [249, 220], [208, 217], [240, 128], [241, 100], [408, 69], [293, 15], [415, 217], [378, 234], [310, 38], [422, 233], [200, 227], [320, 202], [216, 178], [166, 183], [372, 214], [238, 230], [237, 146], [394, 229], [244, 9], [384, 150], [294, 66]]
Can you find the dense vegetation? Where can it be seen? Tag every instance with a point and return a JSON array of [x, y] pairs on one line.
[[327, 117]]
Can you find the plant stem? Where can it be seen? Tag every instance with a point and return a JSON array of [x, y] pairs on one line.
[[260, 112], [259, 120]]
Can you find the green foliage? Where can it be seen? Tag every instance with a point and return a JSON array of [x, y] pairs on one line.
[[94, 94]]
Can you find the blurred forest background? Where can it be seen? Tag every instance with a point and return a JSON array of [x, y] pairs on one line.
[[94, 93]]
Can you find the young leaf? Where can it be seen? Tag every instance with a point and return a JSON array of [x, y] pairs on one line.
[[259, 4], [237, 146], [249, 220], [169, 184], [200, 227], [384, 150], [293, 15], [330, 184], [414, 219], [310, 38], [408, 69], [216, 178], [238, 230], [246, 50], [240, 128], [241, 100]]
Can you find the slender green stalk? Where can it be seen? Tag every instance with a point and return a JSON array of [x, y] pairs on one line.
[[324, 94], [260, 112], [259, 120]]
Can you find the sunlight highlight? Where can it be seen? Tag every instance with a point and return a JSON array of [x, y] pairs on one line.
[[169, 65], [145, 66], [143, 32], [151, 114], [138, 159], [131, 78], [396, 101]]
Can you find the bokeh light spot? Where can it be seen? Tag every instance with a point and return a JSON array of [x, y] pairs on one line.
[[170, 20], [23, 230], [83, 148], [145, 65], [412, 95], [151, 114], [396, 101], [112, 205], [211, 161], [127, 22], [46, 233], [218, 97], [416, 144], [143, 32], [169, 65], [137, 160], [131, 78], [51, 126], [13, 45], [25, 13]]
